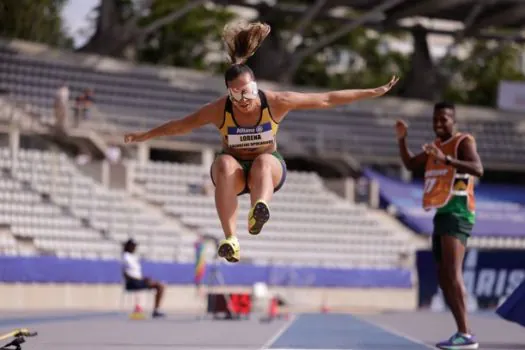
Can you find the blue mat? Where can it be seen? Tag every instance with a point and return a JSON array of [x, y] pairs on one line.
[[318, 331]]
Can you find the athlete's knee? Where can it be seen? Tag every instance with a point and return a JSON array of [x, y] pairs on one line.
[[225, 165], [262, 164]]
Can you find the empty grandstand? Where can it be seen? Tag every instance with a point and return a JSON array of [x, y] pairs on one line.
[[310, 226], [339, 234], [54, 209], [131, 100], [58, 210], [139, 99]]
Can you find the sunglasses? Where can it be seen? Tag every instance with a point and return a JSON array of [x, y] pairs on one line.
[[247, 92]]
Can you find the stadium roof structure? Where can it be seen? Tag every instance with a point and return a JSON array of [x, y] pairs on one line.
[[486, 19]]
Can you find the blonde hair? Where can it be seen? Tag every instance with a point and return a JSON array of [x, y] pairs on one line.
[[243, 39]]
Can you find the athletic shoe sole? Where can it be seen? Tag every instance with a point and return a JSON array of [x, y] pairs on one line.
[[459, 347], [226, 251], [261, 214]]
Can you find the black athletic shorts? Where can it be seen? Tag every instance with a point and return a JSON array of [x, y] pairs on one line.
[[136, 284], [246, 167]]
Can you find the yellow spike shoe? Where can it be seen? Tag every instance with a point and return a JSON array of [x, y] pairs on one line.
[[230, 249], [258, 216]]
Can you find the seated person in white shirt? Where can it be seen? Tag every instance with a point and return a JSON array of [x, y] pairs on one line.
[[132, 271]]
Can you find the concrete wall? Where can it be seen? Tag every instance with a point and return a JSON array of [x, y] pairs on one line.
[[94, 170], [343, 187], [185, 298]]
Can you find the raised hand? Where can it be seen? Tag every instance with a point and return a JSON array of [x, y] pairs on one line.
[[385, 88], [401, 129]]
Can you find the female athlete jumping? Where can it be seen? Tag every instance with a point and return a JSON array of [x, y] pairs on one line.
[[248, 120]]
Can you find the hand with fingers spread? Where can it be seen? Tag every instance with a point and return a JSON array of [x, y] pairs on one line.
[[385, 88], [432, 149]]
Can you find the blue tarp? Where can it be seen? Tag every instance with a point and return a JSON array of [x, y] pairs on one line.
[[500, 209], [513, 309], [47, 269]]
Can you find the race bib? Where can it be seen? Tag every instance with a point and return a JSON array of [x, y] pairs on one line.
[[261, 135]]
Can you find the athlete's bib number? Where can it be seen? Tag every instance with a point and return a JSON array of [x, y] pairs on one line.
[[430, 183], [250, 137]]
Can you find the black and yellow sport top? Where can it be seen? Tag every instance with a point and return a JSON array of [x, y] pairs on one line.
[[250, 138]]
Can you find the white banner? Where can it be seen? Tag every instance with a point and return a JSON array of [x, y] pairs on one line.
[[511, 96]]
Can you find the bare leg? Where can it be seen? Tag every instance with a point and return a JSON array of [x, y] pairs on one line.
[[443, 284], [451, 278], [265, 175], [159, 292], [229, 180], [158, 295]]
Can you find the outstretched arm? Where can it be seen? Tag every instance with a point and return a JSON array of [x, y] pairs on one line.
[[205, 115], [412, 162], [468, 160], [286, 101]]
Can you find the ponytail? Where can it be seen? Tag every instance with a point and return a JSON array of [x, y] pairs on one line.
[[242, 40]]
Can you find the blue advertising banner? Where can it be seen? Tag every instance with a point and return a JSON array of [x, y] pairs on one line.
[[50, 269], [489, 275]]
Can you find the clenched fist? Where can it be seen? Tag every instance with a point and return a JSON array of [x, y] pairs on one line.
[[135, 137]]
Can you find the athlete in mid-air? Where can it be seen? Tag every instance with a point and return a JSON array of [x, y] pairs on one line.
[[248, 120], [451, 163]]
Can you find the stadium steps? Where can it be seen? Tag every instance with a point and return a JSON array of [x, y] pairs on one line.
[[8, 241], [48, 198], [26, 245], [400, 230], [32, 121], [168, 221]]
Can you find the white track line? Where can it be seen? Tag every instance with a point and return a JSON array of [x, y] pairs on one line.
[[396, 332], [279, 332]]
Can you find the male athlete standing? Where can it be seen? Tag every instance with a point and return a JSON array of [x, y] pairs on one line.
[[451, 162]]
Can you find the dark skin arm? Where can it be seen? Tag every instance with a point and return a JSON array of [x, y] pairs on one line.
[[468, 160], [471, 161], [412, 162]]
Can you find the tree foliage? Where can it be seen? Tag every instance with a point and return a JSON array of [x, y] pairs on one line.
[[190, 39], [305, 48], [477, 77], [359, 60], [124, 27], [187, 42], [352, 58], [34, 20]]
